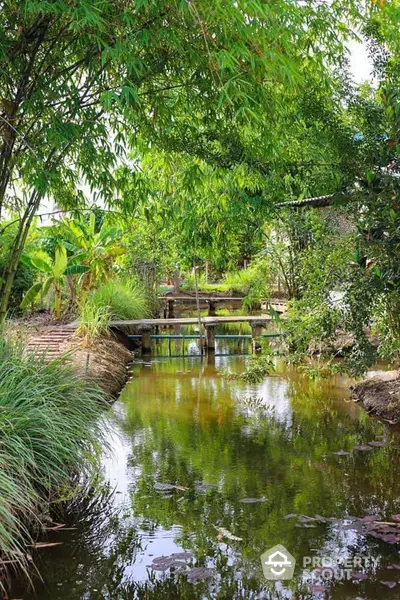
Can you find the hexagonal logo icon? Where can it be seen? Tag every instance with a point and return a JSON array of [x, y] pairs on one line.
[[278, 564]]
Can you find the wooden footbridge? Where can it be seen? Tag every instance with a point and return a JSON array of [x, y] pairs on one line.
[[168, 303], [145, 327]]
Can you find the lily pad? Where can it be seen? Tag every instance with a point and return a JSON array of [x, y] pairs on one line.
[[377, 444], [359, 576], [389, 584], [362, 448], [341, 453]]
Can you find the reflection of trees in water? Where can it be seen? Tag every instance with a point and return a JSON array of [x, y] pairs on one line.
[[188, 430], [287, 461], [97, 544]]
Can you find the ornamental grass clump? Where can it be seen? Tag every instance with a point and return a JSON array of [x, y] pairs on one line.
[[50, 431], [124, 299]]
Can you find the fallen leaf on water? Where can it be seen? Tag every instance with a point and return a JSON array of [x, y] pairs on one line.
[[227, 534], [370, 518], [173, 561], [252, 500], [317, 589], [167, 487], [362, 448], [205, 487], [199, 573]]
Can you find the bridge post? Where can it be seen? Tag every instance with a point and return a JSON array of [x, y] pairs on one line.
[[256, 332], [210, 330], [145, 331], [211, 308], [171, 304]]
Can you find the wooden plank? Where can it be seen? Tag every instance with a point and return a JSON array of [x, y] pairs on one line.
[[203, 298], [219, 299], [192, 320]]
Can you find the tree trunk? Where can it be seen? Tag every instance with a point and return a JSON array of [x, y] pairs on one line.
[[177, 281], [11, 266]]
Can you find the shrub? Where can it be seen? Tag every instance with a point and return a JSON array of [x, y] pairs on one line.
[[49, 431]]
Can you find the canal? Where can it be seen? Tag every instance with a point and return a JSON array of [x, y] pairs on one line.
[[205, 473]]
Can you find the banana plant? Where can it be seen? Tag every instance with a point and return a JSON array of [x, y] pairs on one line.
[[96, 249], [52, 276]]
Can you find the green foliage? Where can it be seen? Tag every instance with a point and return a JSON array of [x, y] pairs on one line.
[[49, 430], [93, 322], [254, 282], [24, 278], [257, 368], [119, 299], [77, 75], [53, 277], [25, 274], [97, 247]]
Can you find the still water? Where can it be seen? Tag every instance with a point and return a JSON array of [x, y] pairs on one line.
[[209, 473]]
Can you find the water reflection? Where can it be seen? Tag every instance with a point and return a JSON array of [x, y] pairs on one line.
[[189, 445]]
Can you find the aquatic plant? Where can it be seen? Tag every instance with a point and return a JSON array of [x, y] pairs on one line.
[[257, 369], [49, 431]]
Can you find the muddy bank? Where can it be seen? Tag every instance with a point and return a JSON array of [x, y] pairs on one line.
[[105, 361], [380, 396]]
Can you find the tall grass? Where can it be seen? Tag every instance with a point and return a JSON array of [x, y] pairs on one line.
[[124, 298], [117, 299], [49, 431], [94, 322]]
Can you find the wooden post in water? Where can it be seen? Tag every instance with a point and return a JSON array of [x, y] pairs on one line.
[[256, 332], [171, 304], [145, 331], [210, 330], [211, 308], [177, 280]]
